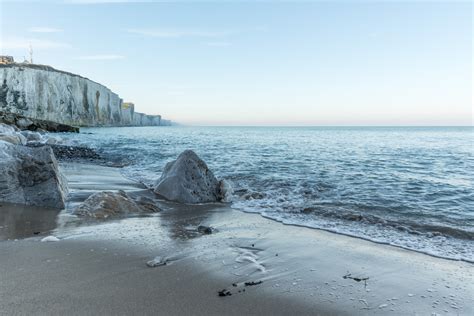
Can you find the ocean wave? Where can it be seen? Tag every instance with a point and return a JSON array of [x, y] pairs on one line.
[[409, 187]]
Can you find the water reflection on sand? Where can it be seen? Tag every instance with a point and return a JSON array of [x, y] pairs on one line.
[[22, 221]]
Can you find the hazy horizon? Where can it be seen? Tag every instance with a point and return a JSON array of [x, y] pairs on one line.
[[348, 63]]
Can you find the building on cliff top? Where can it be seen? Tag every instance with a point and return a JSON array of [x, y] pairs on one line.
[[6, 60], [128, 105]]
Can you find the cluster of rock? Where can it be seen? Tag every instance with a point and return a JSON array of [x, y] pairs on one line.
[[74, 153], [12, 134], [30, 175], [185, 180], [31, 124]]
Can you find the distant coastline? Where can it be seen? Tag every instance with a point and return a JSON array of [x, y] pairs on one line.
[[45, 93]]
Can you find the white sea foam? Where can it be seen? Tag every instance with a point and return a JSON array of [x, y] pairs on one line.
[[50, 239]]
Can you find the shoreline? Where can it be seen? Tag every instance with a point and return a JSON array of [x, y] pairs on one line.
[[302, 268], [362, 238]]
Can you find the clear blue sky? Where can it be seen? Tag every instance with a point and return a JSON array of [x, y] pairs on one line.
[[265, 63]]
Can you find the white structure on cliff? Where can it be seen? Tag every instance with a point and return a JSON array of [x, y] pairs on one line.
[[30, 51]]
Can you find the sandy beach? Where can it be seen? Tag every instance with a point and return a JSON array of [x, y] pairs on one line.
[[261, 266], [236, 158]]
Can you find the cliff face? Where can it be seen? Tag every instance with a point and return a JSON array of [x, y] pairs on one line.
[[42, 92]]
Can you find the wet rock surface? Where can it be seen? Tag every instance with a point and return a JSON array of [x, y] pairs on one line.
[[107, 204], [188, 180], [31, 176]]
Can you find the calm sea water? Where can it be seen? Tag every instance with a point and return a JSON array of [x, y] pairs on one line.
[[409, 187]]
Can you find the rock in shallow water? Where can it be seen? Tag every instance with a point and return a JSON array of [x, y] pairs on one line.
[[31, 176], [107, 204], [188, 180], [16, 139]]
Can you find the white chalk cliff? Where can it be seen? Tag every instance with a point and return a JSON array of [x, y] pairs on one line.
[[42, 92]]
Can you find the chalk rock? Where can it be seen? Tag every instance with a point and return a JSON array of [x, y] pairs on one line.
[[16, 139], [102, 205], [24, 123], [31, 136], [6, 129], [11, 134], [188, 180], [40, 97], [53, 141], [31, 176]]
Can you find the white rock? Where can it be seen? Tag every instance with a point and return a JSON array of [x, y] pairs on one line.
[[13, 139], [158, 261], [31, 136], [53, 140], [24, 123], [6, 129], [10, 134]]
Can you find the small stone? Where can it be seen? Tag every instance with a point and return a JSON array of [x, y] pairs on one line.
[[205, 230]]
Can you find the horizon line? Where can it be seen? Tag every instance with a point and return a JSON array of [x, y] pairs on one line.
[[292, 126]]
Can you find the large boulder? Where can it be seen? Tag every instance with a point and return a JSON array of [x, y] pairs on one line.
[[188, 180], [31, 176], [102, 205]]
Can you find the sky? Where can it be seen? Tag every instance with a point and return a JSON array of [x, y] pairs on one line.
[[261, 62]]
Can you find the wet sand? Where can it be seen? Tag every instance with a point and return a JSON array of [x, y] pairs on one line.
[[101, 268]]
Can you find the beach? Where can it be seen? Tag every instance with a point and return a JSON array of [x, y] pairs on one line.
[[101, 267], [236, 158]]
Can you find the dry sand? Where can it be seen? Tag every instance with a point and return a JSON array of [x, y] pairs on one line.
[[101, 268]]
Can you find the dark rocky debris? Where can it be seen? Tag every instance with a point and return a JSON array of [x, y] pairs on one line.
[[224, 292], [357, 279], [25, 123], [252, 283], [205, 230]]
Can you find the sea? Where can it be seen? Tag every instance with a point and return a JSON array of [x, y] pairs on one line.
[[410, 187]]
